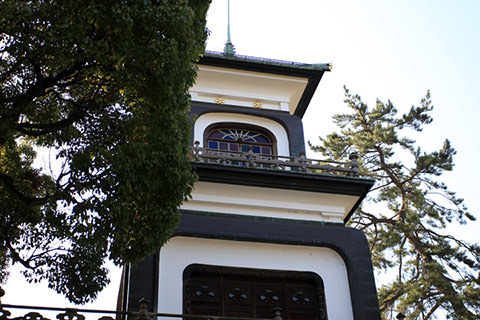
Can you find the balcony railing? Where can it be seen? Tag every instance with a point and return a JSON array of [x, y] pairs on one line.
[[141, 314], [275, 162], [32, 313]]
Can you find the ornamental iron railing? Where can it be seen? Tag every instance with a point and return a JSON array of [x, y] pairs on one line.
[[141, 314], [276, 162], [80, 314]]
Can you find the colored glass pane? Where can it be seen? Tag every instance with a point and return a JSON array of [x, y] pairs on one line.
[[244, 140], [223, 146], [216, 135]]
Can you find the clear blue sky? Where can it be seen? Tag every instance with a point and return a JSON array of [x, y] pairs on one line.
[[393, 50]]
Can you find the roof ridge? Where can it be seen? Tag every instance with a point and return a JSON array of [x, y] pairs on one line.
[[284, 63]]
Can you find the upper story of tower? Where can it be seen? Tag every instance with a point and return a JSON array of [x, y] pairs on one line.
[[257, 83], [248, 140], [257, 102]]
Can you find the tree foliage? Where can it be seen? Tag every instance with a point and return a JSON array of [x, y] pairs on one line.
[[405, 221], [104, 84]]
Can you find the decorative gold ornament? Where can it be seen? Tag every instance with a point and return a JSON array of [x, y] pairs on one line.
[[220, 100], [258, 104]]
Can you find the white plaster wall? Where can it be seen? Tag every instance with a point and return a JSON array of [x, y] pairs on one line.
[[274, 127], [180, 252], [244, 88], [269, 202]]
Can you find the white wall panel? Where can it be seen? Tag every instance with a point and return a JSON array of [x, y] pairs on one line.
[[269, 202], [180, 252]]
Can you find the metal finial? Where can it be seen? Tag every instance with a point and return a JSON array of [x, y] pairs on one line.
[[143, 310], [229, 49], [277, 313]]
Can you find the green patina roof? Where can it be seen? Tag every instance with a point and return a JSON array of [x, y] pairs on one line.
[[271, 62]]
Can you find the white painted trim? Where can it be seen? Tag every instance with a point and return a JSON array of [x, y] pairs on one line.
[[180, 252], [247, 88], [269, 202], [239, 101], [238, 95], [274, 127]]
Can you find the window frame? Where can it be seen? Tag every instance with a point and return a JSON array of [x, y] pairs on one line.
[[242, 126]]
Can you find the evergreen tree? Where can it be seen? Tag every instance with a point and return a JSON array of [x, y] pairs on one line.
[[103, 85], [409, 209]]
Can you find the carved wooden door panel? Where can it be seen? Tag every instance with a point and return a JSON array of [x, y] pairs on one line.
[[253, 293]]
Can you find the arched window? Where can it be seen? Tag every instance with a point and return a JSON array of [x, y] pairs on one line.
[[234, 137]]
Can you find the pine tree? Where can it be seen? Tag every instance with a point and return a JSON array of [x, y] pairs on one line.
[[431, 272]]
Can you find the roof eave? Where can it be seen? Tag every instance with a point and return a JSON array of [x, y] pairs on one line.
[[312, 72], [354, 186]]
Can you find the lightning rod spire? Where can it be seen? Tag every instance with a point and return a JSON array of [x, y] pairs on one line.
[[229, 49]]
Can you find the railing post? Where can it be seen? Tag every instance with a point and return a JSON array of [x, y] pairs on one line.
[[354, 164], [143, 310], [277, 313], [303, 162], [196, 150], [251, 157]]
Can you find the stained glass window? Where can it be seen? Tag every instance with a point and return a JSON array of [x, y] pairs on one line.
[[239, 139]]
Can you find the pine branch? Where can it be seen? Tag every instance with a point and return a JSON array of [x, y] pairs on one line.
[[432, 310], [446, 289], [422, 256]]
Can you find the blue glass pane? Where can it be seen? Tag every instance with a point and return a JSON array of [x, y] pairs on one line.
[[233, 147], [223, 146], [262, 139], [215, 135], [213, 144], [256, 137], [266, 150], [256, 149], [245, 148]]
